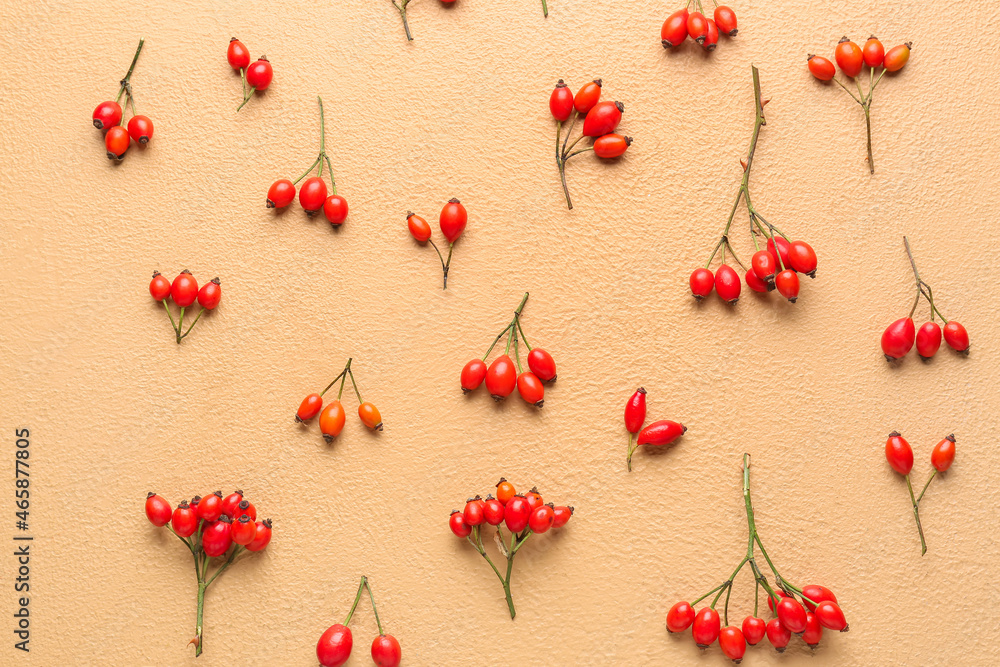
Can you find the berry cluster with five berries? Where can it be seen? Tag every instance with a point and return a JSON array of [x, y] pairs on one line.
[[803, 611], [504, 374], [212, 527], [524, 515], [334, 646], [258, 75], [899, 454], [899, 337], [313, 194], [184, 292], [705, 31], [775, 266], [452, 220], [852, 59], [600, 120], [658, 434], [333, 417], [108, 118]]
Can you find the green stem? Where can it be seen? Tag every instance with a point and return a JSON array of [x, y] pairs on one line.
[[354, 384], [868, 129], [371, 596], [343, 379], [545, 9], [198, 317], [401, 6], [180, 325], [357, 599], [631, 450], [306, 172], [707, 594], [447, 264], [171, 316], [332, 383], [248, 97], [916, 516], [521, 331], [199, 637], [123, 84], [929, 479]]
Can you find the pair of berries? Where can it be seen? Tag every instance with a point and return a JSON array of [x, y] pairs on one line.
[[332, 417], [504, 374], [108, 117], [705, 31], [523, 515], [600, 120], [806, 611], [257, 76], [776, 267], [852, 59], [211, 527], [335, 645], [184, 291], [658, 434], [313, 193], [899, 454], [452, 220], [900, 336]]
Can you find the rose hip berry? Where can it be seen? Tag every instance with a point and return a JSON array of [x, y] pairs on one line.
[[943, 454], [705, 628], [849, 57], [753, 629], [158, 510], [680, 617], [732, 643], [561, 101], [674, 30]]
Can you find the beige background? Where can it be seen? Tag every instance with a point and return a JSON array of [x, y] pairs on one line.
[[116, 408]]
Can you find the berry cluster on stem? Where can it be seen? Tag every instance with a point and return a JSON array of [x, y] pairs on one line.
[[852, 59], [108, 117], [215, 530], [899, 454], [313, 193], [777, 264], [332, 417], [704, 31], [452, 220], [658, 434], [334, 646], [524, 515], [600, 120], [805, 611], [504, 374], [258, 75], [184, 292]]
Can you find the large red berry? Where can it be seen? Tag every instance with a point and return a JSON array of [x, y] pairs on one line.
[[611, 145], [928, 340], [725, 18], [561, 101], [697, 26], [263, 536], [210, 294], [210, 507], [516, 514], [419, 229], [705, 628], [531, 389], [217, 538], [787, 283], [898, 453], [457, 524], [755, 283], [635, 411], [680, 617], [711, 41], [312, 194], [501, 377], [764, 265], [335, 209], [237, 54], [107, 114], [184, 289], [386, 651], [813, 594], [159, 286], [778, 635], [778, 594], [587, 97], [243, 531], [897, 339], [309, 408], [873, 52], [675, 29], [542, 364], [281, 193], [245, 507], [184, 520], [702, 283], [728, 284], [732, 643], [334, 646], [474, 513], [158, 510], [943, 454], [140, 129], [453, 219], [956, 336], [473, 375], [259, 74], [896, 57], [802, 258], [754, 629], [791, 614], [849, 58], [660, 433], [603, 118], [541, 519], [505, 491], [780, 248], [534, 499], [231, 502], [561, 515], [493, 511], [116, 142], [831, 616], [813, 632], [824, 70]]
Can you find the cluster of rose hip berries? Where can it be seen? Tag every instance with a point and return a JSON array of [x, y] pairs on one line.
[[334, 646], [223, 521], [108, 117], [658, 434], [258, 75], [184, 292], [453, 219], [818, 610], [852, 58], [899, 454], [332, 418], [705, 31], [516, 511], [776, 267], [504, 373]]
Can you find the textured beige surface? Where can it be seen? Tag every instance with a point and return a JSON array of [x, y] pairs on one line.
[[116, 408]]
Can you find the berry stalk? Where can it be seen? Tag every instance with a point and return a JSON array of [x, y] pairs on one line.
[[401, 7], [916, 514], [126, 82]]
